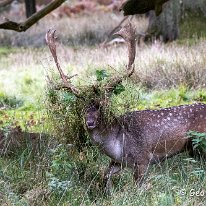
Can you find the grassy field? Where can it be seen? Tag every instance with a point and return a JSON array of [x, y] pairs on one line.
[[165, 75]]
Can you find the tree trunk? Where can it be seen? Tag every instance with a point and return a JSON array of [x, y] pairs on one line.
[[166, 26], [197, 6], [30, 7]]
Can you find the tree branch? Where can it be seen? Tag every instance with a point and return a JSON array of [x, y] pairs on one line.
[[23, 26], [5, 3]]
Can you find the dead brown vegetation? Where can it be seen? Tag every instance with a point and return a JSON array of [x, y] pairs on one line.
[[13, 138]]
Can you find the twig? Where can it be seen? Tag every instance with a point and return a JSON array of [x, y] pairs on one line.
[[23, 26], [5, 3]]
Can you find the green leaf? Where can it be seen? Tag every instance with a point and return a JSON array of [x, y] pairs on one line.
[[119, 89], [101, 75], [198, 140], [68, 97]]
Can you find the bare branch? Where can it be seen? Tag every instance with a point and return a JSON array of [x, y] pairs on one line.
[[5, 3], [50, 40], [23, 26]]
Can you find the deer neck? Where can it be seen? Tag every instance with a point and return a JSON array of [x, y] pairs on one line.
[[103, 132], [99, 134], [108, 140]]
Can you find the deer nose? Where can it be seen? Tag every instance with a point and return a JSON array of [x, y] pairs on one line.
[[90, 124]]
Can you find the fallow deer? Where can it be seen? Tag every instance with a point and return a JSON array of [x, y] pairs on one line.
[[138, 138]]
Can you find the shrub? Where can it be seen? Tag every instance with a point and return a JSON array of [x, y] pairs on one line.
[[10, 101], [198, 142]]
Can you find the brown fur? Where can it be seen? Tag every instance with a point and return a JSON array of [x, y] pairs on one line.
[[15, 138], [140, 138]]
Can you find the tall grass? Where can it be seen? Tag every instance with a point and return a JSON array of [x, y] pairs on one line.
[[165, 75]]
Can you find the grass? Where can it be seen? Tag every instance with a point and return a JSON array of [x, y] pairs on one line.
[[166, 75], [5, 51], [192, 28], [66, 176]]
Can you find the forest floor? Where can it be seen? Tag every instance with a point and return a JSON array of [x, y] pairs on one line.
[[56, 174]]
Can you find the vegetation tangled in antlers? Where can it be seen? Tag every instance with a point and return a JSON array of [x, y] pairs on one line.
[[68, 103]]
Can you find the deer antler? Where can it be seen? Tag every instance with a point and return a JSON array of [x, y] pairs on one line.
[[128, 34], [50, 40]]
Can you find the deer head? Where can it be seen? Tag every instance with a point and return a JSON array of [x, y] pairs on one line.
[[92, 116]]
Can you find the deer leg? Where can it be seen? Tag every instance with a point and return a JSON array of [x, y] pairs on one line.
[[113, 168], [139, 173]]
